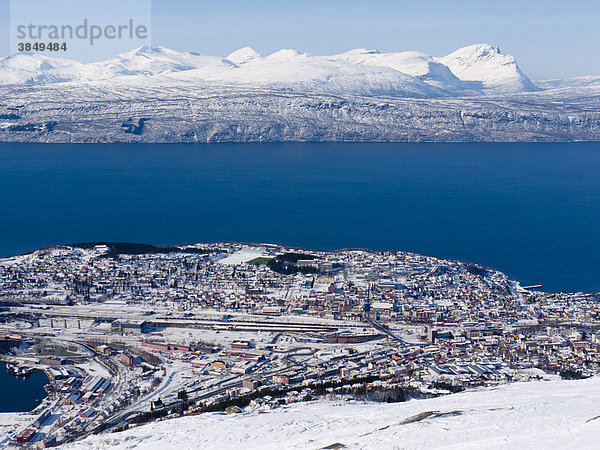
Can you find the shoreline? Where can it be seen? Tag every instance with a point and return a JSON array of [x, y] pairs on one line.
[[144, 332], [4, 360], [405, 195], [537, 287]]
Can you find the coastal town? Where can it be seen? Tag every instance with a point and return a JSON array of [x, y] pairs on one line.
[[131, 333]]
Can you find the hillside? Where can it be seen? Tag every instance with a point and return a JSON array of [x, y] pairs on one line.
[[537, 414]]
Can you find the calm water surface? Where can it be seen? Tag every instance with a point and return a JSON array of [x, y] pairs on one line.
[[21, 394], [530, 210]]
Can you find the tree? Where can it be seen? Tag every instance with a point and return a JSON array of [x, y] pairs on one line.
[[182, 395]]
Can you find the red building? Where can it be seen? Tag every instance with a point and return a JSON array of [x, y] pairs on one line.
[[25, 436], [128, 359], [240, 344]]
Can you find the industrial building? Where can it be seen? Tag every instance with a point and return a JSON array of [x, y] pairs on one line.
[[129, 326]]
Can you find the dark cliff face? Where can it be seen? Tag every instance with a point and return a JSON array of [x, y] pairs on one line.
[[97, 113]]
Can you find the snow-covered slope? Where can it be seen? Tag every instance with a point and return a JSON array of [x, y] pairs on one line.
[[568, 83], [216, 112], [486, 64], [305, 72], [416, 64], [35, 68], [543, 414], [357, 72], [244, 55], [151, 61]]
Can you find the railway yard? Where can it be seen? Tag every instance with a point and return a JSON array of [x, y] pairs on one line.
[[129, 333]]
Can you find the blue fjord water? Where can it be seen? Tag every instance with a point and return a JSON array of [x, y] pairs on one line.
[[530, 210], [19, 393]]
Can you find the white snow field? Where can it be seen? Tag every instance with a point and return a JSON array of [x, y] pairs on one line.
[[532, 415]]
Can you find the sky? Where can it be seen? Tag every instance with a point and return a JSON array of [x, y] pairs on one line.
[[549, 39]]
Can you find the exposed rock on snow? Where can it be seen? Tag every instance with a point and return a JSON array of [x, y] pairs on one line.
[[212, 112]]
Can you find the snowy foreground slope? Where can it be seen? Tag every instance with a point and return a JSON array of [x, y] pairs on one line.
[[540, 414], [160, 95]]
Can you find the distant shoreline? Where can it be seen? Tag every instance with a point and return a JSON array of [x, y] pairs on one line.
[[181, 248]]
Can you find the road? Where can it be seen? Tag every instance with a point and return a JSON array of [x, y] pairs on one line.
[[383, 329]]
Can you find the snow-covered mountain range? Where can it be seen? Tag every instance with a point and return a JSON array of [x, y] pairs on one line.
[[470, 70], [160, 95]]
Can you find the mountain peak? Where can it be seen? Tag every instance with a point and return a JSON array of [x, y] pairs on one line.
[[244, 55], [37, 68], [485, 63], [480, 49], [362, 51], [287, 54]]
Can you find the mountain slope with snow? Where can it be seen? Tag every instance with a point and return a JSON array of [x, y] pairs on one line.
[[305, 72], [153, 111], [152, 61], [416, 64], [486, 64], [160, 95], [540, 414], [36, 69], [244, 55], [569, 83], [357, 72]]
